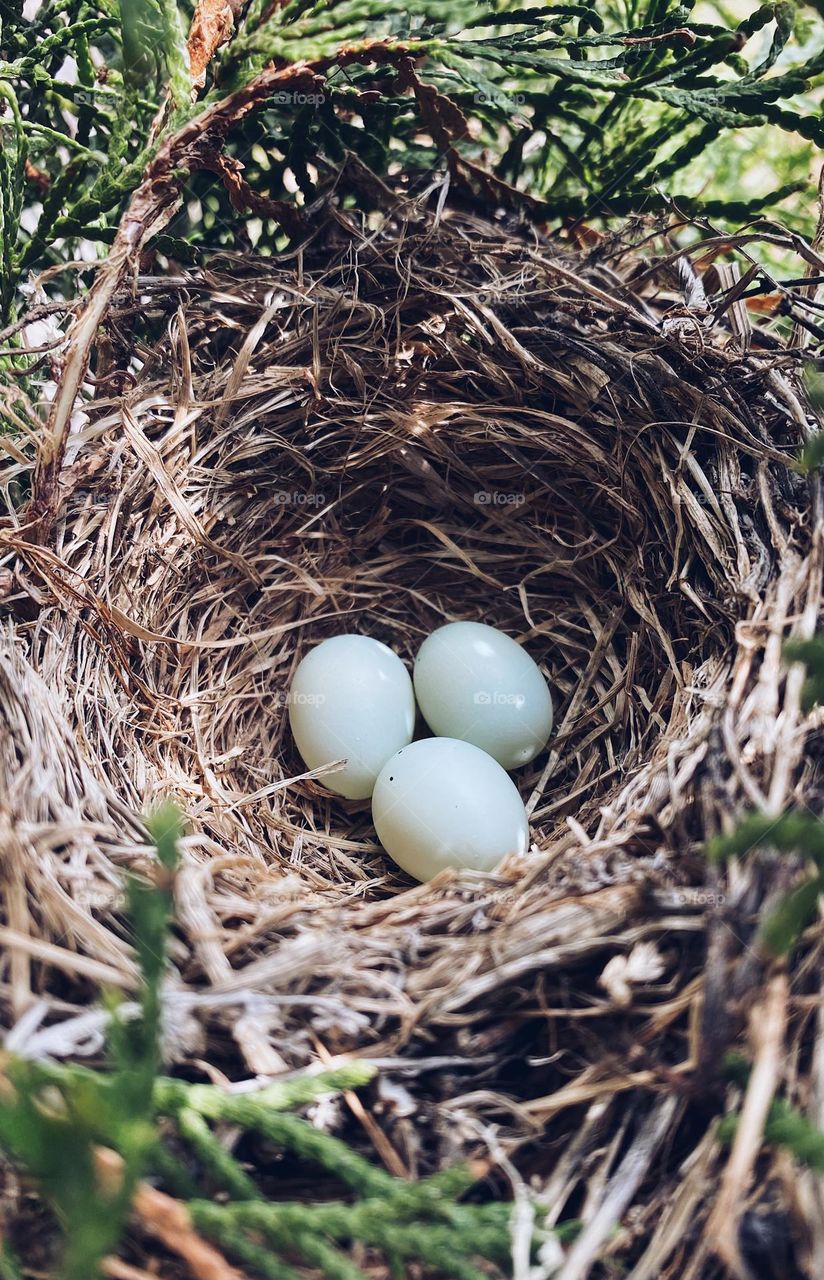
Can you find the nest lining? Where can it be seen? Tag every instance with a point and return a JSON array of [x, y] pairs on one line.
[[382, 433]]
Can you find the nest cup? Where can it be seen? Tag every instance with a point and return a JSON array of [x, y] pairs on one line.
[[384, 432], [370, 460]]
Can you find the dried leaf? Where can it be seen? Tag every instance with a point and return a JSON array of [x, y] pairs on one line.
[[212, 24], [621, 973]]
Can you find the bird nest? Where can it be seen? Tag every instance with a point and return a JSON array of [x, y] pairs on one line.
[[415, 420]]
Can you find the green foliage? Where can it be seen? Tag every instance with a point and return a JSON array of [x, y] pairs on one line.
[[54, 1118], [153, 46], [595, 109], [785, 1126], [51, 1121], [12, 187], [812, 457], [810, 652], [791, 832]]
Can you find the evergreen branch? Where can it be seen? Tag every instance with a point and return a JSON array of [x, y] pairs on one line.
[[213, 1156], [810, 652], [298, 1227], [57, 43], [788, 1128], [12, 175], [281, 1095], [237, 1243], [784, 925], [564, 70], [790, 832]]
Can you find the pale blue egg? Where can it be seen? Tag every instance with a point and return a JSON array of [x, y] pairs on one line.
[[476, 683], [351, 698], [443, 803]]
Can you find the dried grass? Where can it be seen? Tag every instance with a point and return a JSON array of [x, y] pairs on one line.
[[300, 452]]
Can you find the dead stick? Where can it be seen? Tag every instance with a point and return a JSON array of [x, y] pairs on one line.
[[622, 1187], [379, 1140], [767, 1030]]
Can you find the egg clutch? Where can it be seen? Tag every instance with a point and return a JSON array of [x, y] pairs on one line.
[[445, 801]]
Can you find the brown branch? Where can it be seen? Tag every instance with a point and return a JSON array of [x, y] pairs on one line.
[[444, 119], [447, 124], [242, 196], [169, 1220]]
